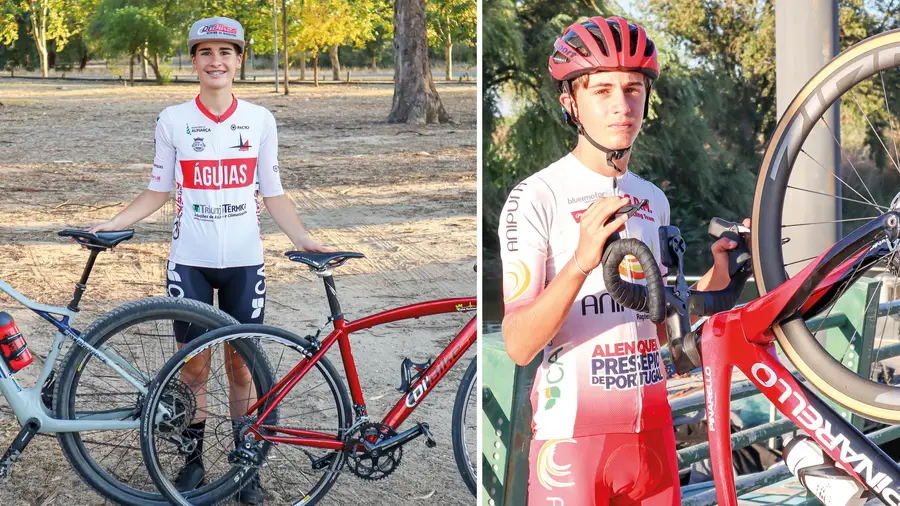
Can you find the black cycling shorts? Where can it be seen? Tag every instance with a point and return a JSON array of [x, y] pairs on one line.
[[242, 292]]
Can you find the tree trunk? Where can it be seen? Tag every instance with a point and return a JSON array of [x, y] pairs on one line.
[[287, 65], [316, 69], [416, 99], [51, 59], [303, 65], [448, 53], [144, 70], [131, 68], [335, 63], [244, 66], [155, 64], [39, 29], [84, 60], [374, 64]]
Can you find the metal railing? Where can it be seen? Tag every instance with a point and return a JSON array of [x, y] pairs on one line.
[[507, 409]]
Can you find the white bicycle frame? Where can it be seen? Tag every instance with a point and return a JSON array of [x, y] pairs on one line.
[[27, 404]]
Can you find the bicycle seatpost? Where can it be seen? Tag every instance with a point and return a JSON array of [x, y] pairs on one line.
[[82, 283], [331, 293]]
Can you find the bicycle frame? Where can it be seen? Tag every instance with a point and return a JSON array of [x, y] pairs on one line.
[[743, 338], [27, 403], [419, 390]]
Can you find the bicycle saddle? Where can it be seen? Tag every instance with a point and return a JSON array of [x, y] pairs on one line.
[[322, 261], [102, 240]]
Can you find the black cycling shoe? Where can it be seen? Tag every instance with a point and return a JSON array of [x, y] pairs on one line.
[[252, 493], [191, 476]]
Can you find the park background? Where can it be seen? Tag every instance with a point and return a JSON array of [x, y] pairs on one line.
[[77, 146], [712, 110]]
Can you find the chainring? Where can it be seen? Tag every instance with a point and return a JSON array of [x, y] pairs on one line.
[[367, 464]]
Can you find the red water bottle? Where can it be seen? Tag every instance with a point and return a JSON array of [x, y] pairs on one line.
[[12, 345]]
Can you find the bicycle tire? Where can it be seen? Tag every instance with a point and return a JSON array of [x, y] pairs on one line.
[[72, 372], [250, 333], [461, 406], [863, 60]]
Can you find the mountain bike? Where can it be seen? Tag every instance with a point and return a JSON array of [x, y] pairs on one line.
[[93, 400], [303, 442], [793, 290]]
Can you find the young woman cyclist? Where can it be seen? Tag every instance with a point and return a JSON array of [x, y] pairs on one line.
[[220, 155]]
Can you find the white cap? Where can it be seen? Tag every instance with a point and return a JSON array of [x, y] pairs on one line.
[[224, 29]]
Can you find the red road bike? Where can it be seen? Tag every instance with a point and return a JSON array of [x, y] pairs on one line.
[[298, 425]]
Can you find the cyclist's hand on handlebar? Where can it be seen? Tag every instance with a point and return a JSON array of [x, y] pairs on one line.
[[720, 250], [595, 230], [307, 244]]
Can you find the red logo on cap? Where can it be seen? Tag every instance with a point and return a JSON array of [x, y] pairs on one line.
[[218, 28]]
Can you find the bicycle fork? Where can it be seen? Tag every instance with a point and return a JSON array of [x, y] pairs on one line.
[[725, 346], [31, 427]]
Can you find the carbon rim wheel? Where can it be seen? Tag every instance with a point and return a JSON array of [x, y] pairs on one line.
[[860, 72]]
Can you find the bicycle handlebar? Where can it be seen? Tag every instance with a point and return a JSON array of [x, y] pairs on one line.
[[645, 299]]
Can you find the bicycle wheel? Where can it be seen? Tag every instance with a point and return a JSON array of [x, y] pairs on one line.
[[289, 474], [139, 333], [860, 77], [465, 426]]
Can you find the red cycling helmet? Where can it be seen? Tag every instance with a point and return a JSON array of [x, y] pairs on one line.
[[597, 45]]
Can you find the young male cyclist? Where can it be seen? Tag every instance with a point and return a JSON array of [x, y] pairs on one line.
[[602, 423], [220, 155]]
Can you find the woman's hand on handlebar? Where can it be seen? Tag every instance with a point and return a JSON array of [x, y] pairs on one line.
[[595, 230]]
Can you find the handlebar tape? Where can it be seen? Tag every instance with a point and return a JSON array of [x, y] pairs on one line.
[[644, 299]]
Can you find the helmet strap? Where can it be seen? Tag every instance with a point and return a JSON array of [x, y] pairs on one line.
[[611, 154]]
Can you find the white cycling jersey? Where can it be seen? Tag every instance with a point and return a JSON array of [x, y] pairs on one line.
[[602, 372], [218, 166]]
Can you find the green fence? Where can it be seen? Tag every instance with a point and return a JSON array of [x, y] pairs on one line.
[[506, 418]]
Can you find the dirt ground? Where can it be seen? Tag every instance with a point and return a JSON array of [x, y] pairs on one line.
[[74, 153]]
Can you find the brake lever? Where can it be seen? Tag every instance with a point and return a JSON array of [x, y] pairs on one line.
[[739, 256]]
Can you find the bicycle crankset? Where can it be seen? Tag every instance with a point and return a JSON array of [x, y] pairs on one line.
[[365, 459]]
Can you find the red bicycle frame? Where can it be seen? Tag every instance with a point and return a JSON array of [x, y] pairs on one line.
[[743, 338], [419, 390]]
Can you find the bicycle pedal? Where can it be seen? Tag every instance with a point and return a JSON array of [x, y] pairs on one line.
[[429, 439]]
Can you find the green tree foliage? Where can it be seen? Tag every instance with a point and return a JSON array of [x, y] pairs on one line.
[[143, 28], [50, 20], [451, 22], [712, 110]]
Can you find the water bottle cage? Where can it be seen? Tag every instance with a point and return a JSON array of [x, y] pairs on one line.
[[410, 372]]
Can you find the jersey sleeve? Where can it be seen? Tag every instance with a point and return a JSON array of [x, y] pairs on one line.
[[162, 178], [267, 159], [524, 242]]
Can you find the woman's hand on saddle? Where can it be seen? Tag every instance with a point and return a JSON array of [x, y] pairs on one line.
[[305, 243]]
